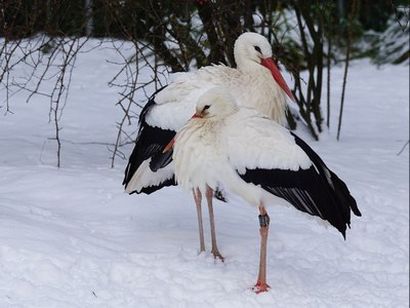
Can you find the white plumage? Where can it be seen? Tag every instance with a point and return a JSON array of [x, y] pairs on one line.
[[252, 87], [256, 83], [257, 159], [215, 150], [145, 177]]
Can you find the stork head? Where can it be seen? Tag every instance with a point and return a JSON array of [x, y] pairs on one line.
[[252, 48], [216, 103]]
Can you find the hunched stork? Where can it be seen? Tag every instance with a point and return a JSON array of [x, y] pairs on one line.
[[259, 160], [149, 169]]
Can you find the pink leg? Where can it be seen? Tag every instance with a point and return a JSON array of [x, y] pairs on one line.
[[215, 251], [198, 198], [261, 285]]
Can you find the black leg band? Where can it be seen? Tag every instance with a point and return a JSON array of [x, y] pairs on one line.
[[264, 220]]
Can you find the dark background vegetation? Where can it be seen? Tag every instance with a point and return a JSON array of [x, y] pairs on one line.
[[182, 35]]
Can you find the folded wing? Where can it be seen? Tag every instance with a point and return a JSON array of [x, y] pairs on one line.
[[166, 112], [265, 154]]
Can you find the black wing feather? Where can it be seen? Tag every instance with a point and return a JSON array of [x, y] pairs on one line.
[[150, 143], [150, 189], [339, 187], [316, 191]]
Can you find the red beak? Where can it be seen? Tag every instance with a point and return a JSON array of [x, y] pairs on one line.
[[195, 116], [169, 146], [270, 64]]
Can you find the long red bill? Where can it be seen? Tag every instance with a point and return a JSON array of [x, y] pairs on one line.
[[169, 146], [270, 64], [195, 116]]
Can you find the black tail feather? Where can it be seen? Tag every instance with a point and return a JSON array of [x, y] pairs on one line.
[[344, 195], [153, 188], [305, 190], [150, 143], [317, 191], [340, 188]]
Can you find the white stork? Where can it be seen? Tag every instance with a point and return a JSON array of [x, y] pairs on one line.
[[256, 83], [259, 160]]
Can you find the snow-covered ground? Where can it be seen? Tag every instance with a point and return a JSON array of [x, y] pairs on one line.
[[71, 237]]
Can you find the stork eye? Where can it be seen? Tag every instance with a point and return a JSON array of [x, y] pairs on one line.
[[206, 107], [257, 48]]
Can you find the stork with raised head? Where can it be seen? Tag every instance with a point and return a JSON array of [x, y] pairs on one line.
[[255, 83], [259, 160]]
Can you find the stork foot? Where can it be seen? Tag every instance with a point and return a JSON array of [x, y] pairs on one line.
[[261, 287], [217, 255]]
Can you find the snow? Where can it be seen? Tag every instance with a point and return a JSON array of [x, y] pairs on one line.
[[393, 43], [71, 237]]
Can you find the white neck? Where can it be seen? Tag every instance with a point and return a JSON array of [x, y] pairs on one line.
[[248, 66], [266, 95]]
